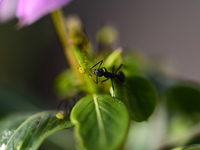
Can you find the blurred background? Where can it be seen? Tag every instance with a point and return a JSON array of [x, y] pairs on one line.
[[165, 31]]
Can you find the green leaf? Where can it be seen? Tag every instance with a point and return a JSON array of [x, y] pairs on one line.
[[9, 124], [178, 148], [192, 147], [101, 122], [184, 98], [15, 133], [140, 97], [134, 63]]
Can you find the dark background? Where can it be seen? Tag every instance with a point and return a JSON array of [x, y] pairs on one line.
[[165, 31]]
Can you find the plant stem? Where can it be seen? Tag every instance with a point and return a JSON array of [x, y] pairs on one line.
[[58, 21]]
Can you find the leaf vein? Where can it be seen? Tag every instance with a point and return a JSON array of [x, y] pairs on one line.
[[99, 118]]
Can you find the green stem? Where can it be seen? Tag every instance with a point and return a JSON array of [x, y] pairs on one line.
[[58, 20], [81, 57]]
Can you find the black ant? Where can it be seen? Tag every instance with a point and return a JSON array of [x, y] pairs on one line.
[[115, 75]]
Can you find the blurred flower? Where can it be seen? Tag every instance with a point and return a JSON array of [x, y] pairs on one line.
[[7, 9], [28, 11]]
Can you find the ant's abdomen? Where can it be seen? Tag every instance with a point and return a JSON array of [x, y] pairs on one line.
[[120, 76]]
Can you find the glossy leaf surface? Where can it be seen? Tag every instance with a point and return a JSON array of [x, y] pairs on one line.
[[139, 96], [101, 122], [15, 133]]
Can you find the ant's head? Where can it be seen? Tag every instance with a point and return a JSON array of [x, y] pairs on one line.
[[99, 72]]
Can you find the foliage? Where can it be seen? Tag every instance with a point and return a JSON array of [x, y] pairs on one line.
[[28, 131], [106, 116], [101, 120]]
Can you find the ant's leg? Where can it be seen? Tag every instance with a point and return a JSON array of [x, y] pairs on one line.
[[118, 68], [96, 80], [122, 84], [97, 64], [93, 79], [104, 80], [113, 68]]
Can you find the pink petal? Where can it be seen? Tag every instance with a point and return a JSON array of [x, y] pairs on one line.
[[7, 9], [29, 11]]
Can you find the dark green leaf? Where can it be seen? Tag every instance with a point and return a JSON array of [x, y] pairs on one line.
[[101, 122], [140, 97], [184, 98], [15, 133], [192, 147]]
